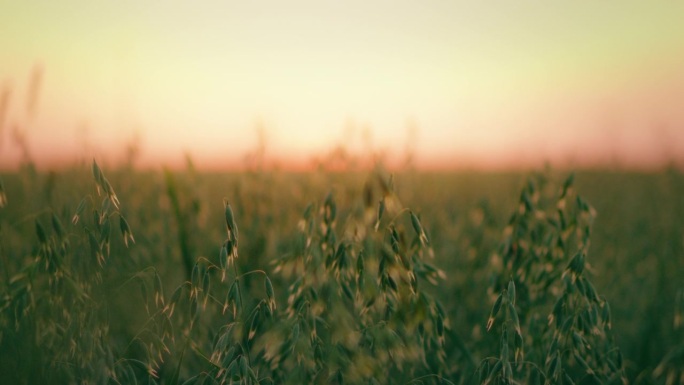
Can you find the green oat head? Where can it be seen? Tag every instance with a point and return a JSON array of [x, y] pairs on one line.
[[57, 302], [355, 313], [548, 311]]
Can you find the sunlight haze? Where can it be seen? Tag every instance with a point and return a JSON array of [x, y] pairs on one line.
[[488, 85]]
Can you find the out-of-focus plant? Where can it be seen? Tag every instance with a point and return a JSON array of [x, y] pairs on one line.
[[554, 327]]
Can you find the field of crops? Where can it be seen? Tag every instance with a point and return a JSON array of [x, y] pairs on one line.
[[115, 276]]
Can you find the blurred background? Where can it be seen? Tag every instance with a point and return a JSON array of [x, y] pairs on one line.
[[434, 85]]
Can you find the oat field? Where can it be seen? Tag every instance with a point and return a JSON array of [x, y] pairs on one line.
[[117, 276]]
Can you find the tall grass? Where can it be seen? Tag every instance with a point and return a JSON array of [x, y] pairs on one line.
[[300, 285]]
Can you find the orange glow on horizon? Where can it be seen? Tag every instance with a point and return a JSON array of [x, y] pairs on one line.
[[237, 86]]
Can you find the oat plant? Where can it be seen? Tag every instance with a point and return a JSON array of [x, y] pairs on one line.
[[553, 326]]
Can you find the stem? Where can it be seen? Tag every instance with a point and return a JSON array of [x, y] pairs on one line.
[[237, 280], [26, 218], [430, 375], [136, 275], [210, 265], [251, 272], [402, 211]]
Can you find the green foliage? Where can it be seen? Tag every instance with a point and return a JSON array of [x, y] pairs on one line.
[[544, 252], [287, 285], [54, 321], [355, 312]]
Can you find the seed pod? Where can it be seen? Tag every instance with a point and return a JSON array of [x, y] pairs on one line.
[[419, 229], [581, 287], [394, 239], [231, 226], [347, 291], [341, 255], [583, 363], [330, 209], [593, 314], [567, 184], [553, 347], [125, 230], [195, 276], [112, 195], [97, 218], [270, 294], [158, 292], [494, 312], [577, 340], [414, 283], [381, 211], [557, 312], [234, 297], [567, 325], [576, 264], [233, 370], [504, 350], [40, 231], [313, 294], [167, 329], [554, 366], [484, 372], [107, 187], [57, 225], [507, 372], [330, 236], [583, 323], [360, 264], [605, 314], [563, 223], [440, 310], [392, 283], [514, 317], [511, 291], [252, 375], [255, 324], [496, 369], [404, 261], [206, 282], [244, 366], [105, 232], [518, 343], [79, 211], [231, 251], [223, 257], [94, 244], [440, 326], [175, 297], [97, 174], [591, 291]]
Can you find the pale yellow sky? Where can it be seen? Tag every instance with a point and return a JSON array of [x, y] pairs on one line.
[[487, 85]]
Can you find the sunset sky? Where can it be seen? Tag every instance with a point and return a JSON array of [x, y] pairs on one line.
[[463, 84]]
